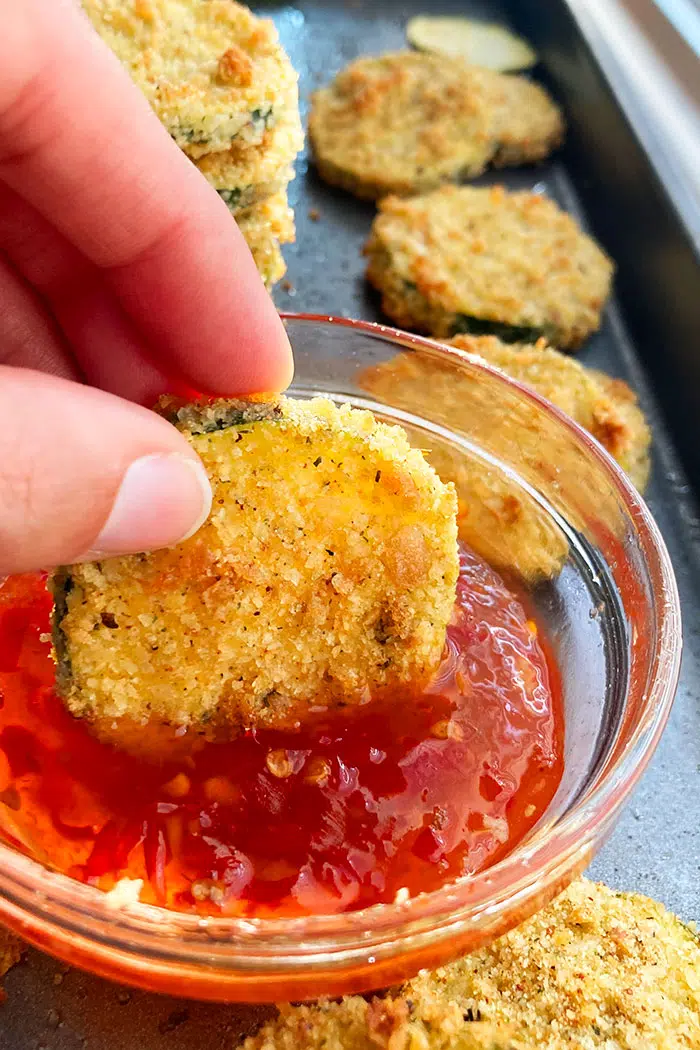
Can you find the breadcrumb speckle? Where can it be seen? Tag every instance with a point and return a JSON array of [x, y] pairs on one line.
[[126, 891], [485, 261], [311, 582], [235, 67], [596, 970]]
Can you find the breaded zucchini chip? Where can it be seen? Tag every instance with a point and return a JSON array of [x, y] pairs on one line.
[[595, 970], [264, 227], [606, 407], [407, 121], [526, 125], [497, 517], [487, 262], [245, 175], [325, 573], [210, 69], [628, 435]]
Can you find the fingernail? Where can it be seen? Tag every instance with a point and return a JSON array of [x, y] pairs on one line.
[[161, 501]]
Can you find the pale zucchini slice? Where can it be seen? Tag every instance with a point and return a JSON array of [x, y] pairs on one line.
[[481, 43]]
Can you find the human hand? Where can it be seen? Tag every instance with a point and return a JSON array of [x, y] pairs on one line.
[[122, 275]]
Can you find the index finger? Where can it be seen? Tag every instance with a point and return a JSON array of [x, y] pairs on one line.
[[78, 141]]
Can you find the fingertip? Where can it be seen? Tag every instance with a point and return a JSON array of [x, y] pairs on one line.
[[91, 474], [286, 362], [273, 363], [257, 359], [162, 499], [263, 361]]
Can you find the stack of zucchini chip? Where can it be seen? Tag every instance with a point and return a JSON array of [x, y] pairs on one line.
[[224, 88]]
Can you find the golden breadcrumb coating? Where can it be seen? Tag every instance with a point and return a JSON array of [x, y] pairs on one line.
[[407, 121], [629, 440], [595, 970], [269, 260], [210, 69], [487, 262], [606, 407], [497, 517], [526, 125], [399, 122], [265, 226], [326, 572], [245, 175]]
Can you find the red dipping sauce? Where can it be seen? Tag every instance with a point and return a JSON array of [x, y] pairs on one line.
[[350, 811]]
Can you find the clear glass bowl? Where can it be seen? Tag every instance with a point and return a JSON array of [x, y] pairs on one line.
[[544, 504]]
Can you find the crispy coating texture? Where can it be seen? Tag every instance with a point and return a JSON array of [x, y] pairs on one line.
[[210, 69], [269, 260], [526, 125], [595, 970], [497, 518], [326, 572], [628, 438], [485, 261], [606, 407], [400, 122], [245, 175], [407, 121], [265, 226]]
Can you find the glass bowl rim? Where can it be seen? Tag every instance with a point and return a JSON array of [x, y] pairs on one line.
[[32, 889]]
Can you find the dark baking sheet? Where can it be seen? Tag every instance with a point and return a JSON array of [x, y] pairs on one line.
[[649, 338]]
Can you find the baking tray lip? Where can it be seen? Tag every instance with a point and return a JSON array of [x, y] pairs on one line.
[[614, 176], [677, 190]]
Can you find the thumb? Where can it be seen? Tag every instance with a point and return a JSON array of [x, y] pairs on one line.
[[84, 474]]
